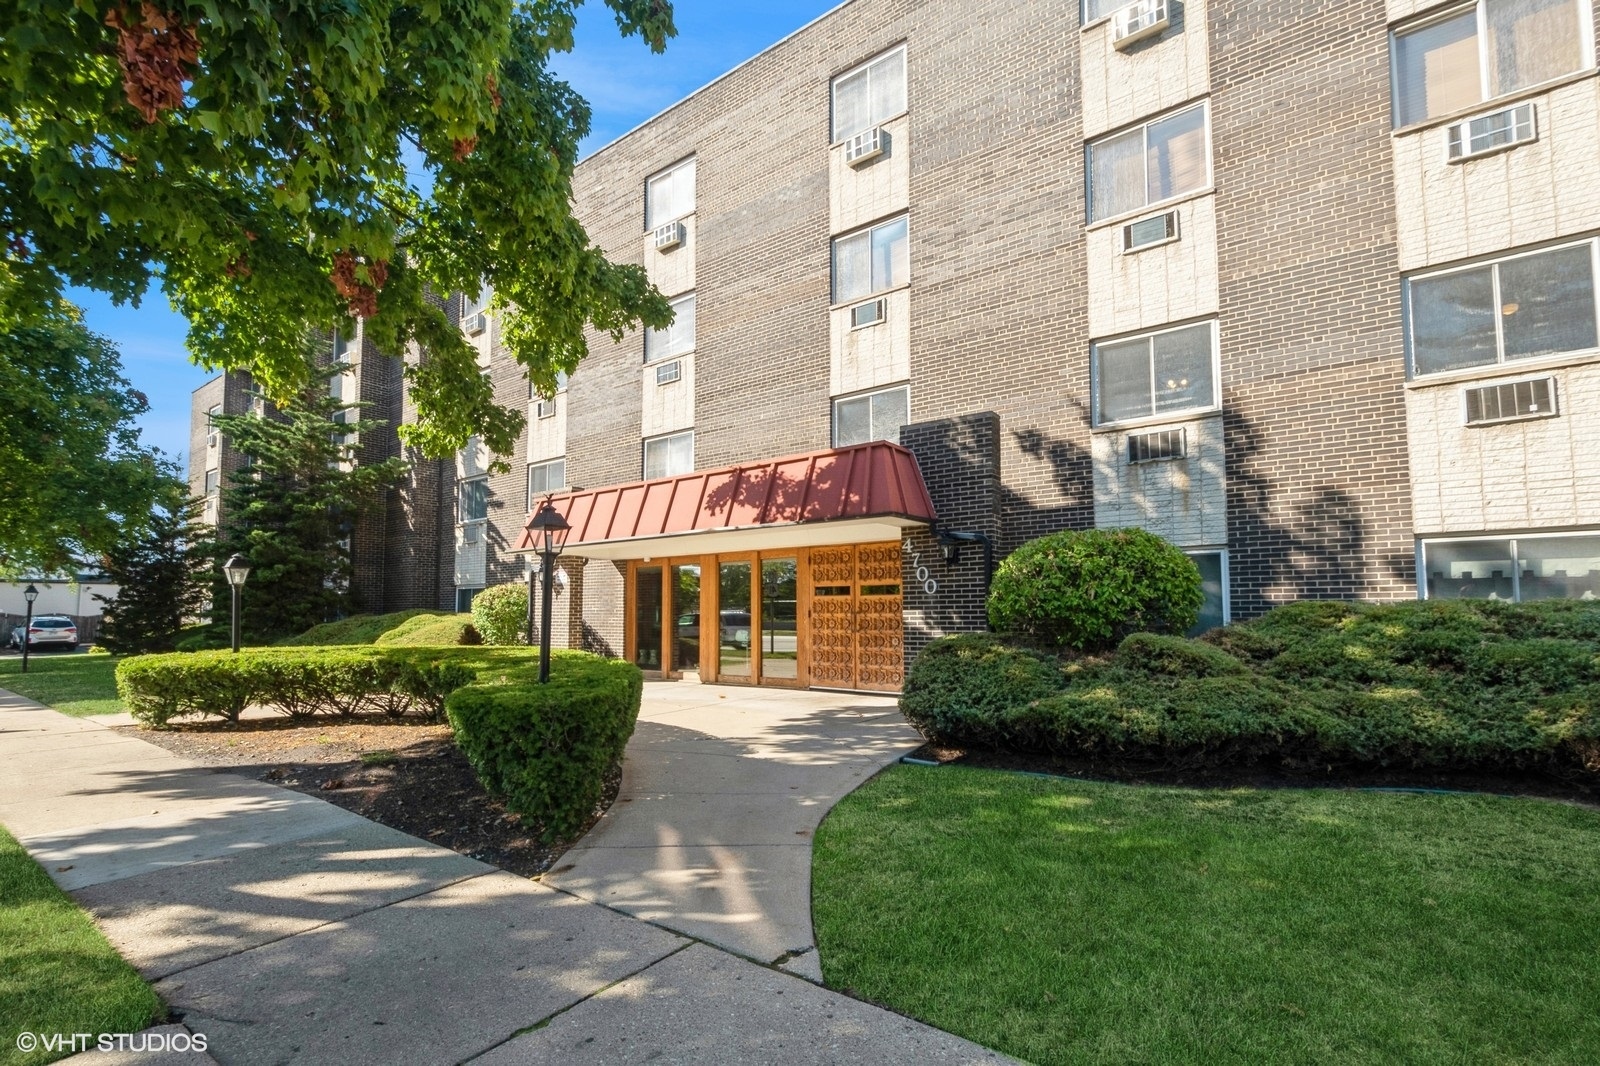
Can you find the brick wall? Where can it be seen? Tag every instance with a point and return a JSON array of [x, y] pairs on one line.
[[1319, 504]]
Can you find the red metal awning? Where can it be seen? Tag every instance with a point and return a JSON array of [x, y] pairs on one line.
[[869, 492]]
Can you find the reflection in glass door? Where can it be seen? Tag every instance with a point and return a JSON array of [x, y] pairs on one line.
[[647, 617], [780, 645], [687, 623], [733, 588]]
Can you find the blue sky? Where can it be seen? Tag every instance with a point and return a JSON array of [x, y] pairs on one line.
[[623, 82]]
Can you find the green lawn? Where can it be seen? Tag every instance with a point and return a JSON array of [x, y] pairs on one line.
[[57, 972], [73, 684], [1073, 922]]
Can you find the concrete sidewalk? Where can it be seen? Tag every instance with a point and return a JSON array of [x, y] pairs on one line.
[[722, 790], [291, 931]]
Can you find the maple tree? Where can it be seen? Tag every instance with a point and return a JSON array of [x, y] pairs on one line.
[[279, 168]]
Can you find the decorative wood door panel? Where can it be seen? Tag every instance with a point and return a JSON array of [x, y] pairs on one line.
[[856, 617], [833, 626]]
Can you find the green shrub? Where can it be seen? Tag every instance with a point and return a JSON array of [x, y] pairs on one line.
[[298, 682], [432, 631], [500, 614], [1443, 685], [547, 748], [1087, 590], [357, 629], [972, 678], [203, 638]]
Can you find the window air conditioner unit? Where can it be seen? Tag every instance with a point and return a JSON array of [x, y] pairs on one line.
[[667, 373], [477, 323], [669, 236], [1510, 402], [545, 408], [1156, 446], [212, 440], [866, 146], [1141, 19], [869, 314], [1147, 232], [1490, 133]]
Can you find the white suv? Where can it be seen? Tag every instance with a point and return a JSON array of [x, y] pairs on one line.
[[48, 631]]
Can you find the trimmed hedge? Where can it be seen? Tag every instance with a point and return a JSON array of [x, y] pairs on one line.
[[1087, 590], [547, 748], [356, 629], [500, 614], [432, 631], [298, 682], [1458, 685]]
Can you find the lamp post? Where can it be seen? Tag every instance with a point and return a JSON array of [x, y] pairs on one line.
[[237, 569], [549, 532], [30, 594]]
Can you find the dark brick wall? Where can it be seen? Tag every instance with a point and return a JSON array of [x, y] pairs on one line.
[[1319, 503], [960, 461]]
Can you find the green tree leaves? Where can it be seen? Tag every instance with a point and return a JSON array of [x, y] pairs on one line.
[[73, 476], [288, 149]]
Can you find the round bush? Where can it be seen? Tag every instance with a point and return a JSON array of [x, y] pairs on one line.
[[501, 614], [1088, 590]]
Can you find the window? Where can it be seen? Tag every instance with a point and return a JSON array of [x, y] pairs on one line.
[[669, 456], [464, 599], [669, 195], [545, 478], [1480, 52], [873, 260], [211, 417], [875, 416], [1523, 307], [870, 95], [341, 347], [561, 386], [472, 306], [676, 338], [213, 482], [474, 500], [1538, 567], [1158, 374], [1094, 10], [1214, 608], [1148, 164]]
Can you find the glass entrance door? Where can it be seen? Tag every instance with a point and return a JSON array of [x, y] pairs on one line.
[[688, 627], [780, 632], [647, 617], [734, 658]]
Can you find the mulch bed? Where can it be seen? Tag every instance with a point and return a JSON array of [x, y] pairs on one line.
[[1582, 789], [413, 778]]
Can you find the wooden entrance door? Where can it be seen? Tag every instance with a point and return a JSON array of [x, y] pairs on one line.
[[856, 618]]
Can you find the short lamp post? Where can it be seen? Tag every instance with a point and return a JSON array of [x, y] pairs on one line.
[[549, 535], [237, 569], [30, 594]]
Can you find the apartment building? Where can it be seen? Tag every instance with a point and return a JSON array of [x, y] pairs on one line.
[[1308, 291]]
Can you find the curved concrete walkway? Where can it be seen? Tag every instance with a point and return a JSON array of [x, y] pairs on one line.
[[722, 789], [288, 930]]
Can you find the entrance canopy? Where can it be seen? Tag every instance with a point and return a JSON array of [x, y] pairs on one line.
[[869, 492]]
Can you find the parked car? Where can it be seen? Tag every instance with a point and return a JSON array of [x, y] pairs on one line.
[[48, 631], [735, 627]]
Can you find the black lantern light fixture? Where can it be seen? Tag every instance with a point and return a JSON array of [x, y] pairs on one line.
[[548, 532], [237, 569], [30, 594]]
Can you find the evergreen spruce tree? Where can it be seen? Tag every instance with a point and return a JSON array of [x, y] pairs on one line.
[[292, 509], [164, 574]]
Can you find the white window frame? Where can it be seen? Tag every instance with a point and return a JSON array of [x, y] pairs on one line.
[[1227, 581], [545, 464], [650, 219], [834, 136], [662, 439], [1510, 538], [867, 231], [1485, 101], [471, 590], [461, 510], [867, 397], [478, 305], [656, 350], [1577, 354], [1155, 417], [1150, 206], [561, 386]]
